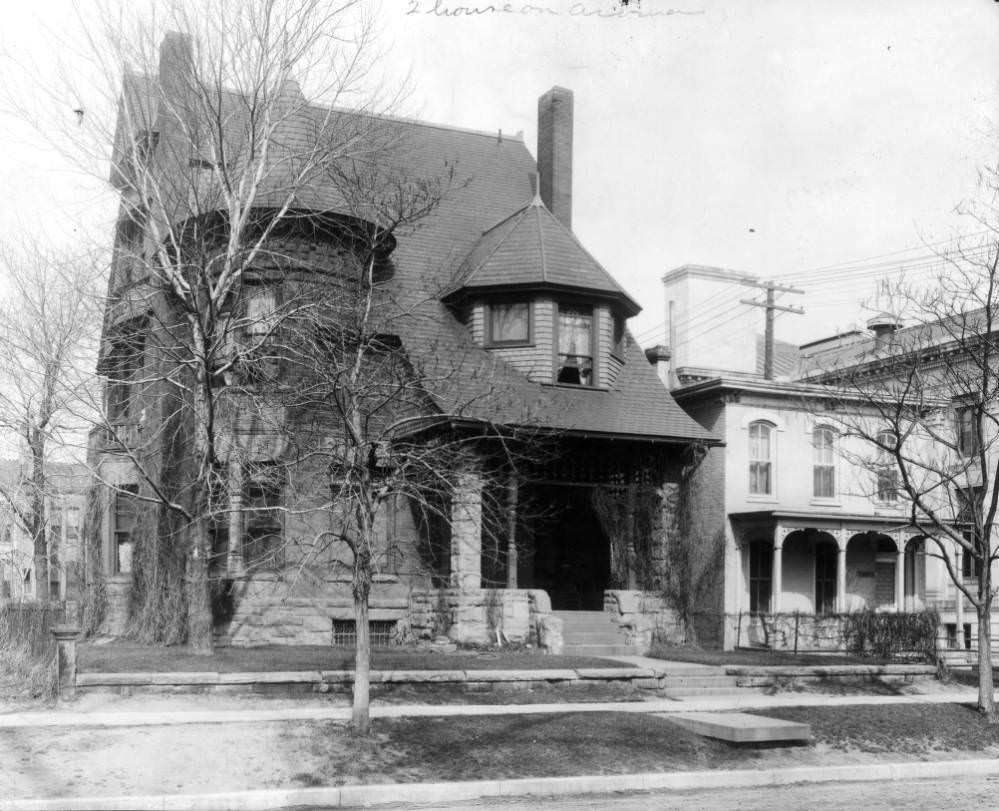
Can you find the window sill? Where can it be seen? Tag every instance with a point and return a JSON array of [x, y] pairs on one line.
[[761, 498], [509, 345], [575, 386], [825, 502]]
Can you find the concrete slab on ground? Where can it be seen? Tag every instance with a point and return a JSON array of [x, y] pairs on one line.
[[741, 727]]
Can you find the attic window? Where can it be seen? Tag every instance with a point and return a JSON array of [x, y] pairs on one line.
[[509, 322], [575, 346]]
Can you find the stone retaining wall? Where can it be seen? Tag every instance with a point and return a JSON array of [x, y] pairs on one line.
[[118, 588], [471, 616], [643, 616]]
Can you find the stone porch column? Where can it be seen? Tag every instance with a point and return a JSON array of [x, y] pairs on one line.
[[234, 556], [466, 530]]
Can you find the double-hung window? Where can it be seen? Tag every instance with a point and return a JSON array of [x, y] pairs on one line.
[[761, 437], [969, 431], [886, 471], [823, 463], [575, 345]]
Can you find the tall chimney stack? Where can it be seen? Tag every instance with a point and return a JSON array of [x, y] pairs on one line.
[[555, 152]]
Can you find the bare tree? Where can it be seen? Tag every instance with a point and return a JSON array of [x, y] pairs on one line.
[[917, 408], [217, 155], [387, 416], [48, 327]]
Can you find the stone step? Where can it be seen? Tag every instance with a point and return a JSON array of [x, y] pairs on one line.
[[671, 681], [597, 650], [690, 692]]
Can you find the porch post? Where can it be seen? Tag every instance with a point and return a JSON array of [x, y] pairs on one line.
[[840, 571], [466, 529], [899, 574], [776, 577], [234, 556], [958, 597], [511, 532]]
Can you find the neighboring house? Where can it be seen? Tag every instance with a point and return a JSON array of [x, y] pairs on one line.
[[64, 508], [523, 307], [809, 524]]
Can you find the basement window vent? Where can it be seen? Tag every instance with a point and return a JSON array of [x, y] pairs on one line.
[[345, 633]]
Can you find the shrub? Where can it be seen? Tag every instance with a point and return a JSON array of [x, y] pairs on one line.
[[27, 648], [890, 635]]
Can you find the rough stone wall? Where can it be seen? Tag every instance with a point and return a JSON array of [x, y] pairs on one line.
[[118, 589], [643, 616], [471, 616], [273, 610]]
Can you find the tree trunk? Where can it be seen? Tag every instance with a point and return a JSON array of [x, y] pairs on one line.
[[40, 546], [199, 604], [986, 697], [361, 713]]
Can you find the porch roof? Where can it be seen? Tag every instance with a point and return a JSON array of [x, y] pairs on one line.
[[837, 520]]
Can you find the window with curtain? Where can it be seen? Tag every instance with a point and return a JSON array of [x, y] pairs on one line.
[[575, 345], [823, 463], [761, 458]]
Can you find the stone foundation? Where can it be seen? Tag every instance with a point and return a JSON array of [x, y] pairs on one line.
[[274, 610], [471, 616], [118, 588], [643, 616]]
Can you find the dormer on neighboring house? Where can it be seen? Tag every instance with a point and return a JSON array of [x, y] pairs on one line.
[[531, 293]]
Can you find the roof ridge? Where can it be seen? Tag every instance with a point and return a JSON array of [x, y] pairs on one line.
[[541, 243], [593, 259], [520, 213]]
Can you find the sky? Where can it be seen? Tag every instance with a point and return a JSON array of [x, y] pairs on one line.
[[818, 144]]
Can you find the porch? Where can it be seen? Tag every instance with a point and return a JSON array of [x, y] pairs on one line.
[[824, 564]]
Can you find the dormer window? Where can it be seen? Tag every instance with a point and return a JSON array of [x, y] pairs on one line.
[[575, 345], [509, 323]]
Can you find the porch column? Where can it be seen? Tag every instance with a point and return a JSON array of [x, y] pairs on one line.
[[840, 570], [511, 532], [776, 577], [466, 530], [899, 574], [958, 597], [234, 556]]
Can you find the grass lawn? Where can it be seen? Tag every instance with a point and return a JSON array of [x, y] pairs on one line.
[[130, 658], [496, 747], [899, 728], [758, 657]]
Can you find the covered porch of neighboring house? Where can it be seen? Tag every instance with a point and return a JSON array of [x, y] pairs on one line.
[[825, 564]]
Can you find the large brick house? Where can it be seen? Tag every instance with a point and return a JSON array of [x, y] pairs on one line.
[[503, 289]]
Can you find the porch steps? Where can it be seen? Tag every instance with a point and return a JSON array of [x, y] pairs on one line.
[[591, 633]]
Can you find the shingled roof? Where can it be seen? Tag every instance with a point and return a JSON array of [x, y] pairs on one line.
[[480, 235], [532, 249]]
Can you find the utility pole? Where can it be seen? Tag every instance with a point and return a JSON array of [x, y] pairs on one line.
[[771, 307]]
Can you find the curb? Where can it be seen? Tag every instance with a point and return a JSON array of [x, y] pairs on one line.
[[352, 796]]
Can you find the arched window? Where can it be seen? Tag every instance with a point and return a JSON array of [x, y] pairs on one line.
[[761, 438], [886, 471], [823, 462]]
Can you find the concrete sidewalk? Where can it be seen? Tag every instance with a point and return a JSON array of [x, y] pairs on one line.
[[170, 710]]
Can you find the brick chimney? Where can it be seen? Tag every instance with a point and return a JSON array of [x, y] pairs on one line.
[[555, 152], [176, 64]]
